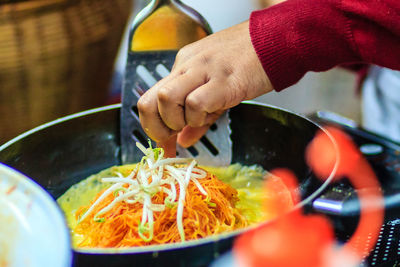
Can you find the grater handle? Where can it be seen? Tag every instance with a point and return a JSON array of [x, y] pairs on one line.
[[166, 25]]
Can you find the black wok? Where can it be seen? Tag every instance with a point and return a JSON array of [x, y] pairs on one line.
[[63, 152]]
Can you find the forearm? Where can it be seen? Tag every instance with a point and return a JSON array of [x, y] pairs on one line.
[[315, 35]]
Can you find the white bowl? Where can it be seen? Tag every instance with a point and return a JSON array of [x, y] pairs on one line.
[[33, 231]]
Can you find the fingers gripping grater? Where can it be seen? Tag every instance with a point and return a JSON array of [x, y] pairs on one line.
[[147, 64]]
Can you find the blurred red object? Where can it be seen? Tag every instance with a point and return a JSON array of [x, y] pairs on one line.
[[289, 240], [295, 239], [356, 168]]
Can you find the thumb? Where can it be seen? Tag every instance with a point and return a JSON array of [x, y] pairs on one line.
[[190, 135]]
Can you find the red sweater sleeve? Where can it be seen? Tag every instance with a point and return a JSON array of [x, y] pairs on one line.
[[297, 36]]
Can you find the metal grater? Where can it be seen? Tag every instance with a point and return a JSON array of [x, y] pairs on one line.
[[146, 66], [143, 70]]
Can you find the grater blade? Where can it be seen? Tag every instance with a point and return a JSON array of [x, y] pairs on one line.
[[142, 71]]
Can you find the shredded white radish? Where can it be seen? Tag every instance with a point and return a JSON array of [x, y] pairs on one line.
[[153, 174], [103, 196]]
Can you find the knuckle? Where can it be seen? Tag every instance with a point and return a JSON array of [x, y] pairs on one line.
[[195, 112], [164, 95], [205, 59], [144, 105], [227, 70], [195, 123], [179, 55], [182, 53], [182, 71], [178, 126], [176, 122], [194, 103]]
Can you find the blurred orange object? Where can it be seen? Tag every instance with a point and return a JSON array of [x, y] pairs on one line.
[[296, 239], [291, 240], [357, 169], [280, 193]]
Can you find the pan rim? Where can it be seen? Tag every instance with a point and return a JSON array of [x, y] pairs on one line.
[[58, 121], [190, 243]]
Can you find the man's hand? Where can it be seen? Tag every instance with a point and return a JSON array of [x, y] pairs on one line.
[[208, 77]]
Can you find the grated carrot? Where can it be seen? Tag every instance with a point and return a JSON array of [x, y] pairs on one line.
[[203, 215]]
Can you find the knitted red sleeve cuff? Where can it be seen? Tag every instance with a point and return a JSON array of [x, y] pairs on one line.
[[297, 36]]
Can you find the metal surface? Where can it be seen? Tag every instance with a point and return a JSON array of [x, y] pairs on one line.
[[140, 74], [387, 250], [61, 153]]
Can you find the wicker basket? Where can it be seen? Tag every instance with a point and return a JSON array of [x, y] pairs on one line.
[[56, 58]]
